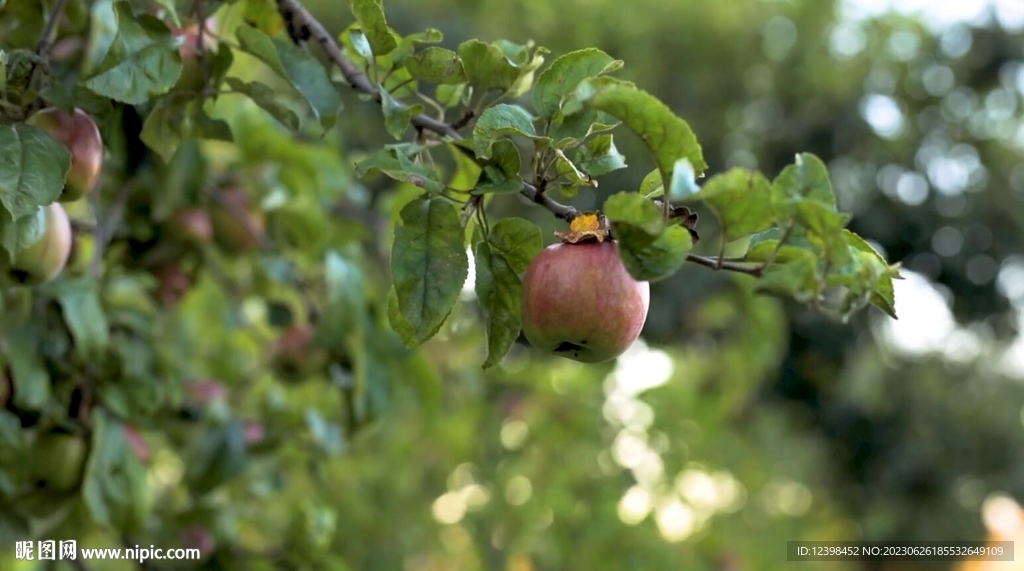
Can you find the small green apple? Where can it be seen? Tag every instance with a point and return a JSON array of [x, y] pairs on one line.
[[45, 259]]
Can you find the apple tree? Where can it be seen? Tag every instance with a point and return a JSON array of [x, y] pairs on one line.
[[212, 285]]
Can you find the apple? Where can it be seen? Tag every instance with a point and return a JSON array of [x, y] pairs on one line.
[[238, 227], [58, 460], [192, 225], [579, 302], [80, 135], [296, 353], [46, 258], [172, 283]]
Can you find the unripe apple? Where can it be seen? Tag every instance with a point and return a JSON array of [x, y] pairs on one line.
[[58, 460], [238, 227], [44, 260], [80, 135], [579, 302]]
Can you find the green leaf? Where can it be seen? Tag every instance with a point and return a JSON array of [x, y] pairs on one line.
[[650, 251], [486, 66], [436, 65], [206, 127], [500, 173], [171, 9], [264, 96], [161, 130], [3, 69], [568, 169], [823, 226], [428, 264], [498, 290], [517, 240], [215, 457], [451, 95], [28, 372], [16, 235], [866, 278], [142, 60], [600, 156], [500, 121], [638, 216], [652, 186], [793, 272], [565, 73], [370, 15], [806, 178], [397, 115], [346, 292], [656, 260], [115, 490], [360, 43], [307, 75], [668, 137], [684, 180], [395, 164], [32, 169], [80, 302], [741, 200], [407, 45]]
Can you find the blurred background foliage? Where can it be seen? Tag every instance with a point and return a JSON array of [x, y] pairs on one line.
[[738, 423]]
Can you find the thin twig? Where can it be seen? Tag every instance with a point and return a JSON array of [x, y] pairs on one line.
[[295, 12], [713, 263], [200, 47], [46, 36]]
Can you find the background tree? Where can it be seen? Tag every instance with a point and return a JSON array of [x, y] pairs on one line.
[[221, 364]]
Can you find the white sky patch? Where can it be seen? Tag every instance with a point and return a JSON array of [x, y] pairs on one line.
[[925, 323], [937, 15]]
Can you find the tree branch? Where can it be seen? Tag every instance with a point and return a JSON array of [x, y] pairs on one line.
[[294, 12]]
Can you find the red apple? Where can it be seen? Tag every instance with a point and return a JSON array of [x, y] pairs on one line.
[[238, 227], [205, 391], [191, 224], [45, 259], [579, 302], [172, 284], [296, 354], [80, 135]]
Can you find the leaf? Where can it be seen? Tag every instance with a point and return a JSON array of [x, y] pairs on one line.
[[395, 164], [32, 169], [346, 293], [684, 180], [499, 121], [806, 178], [307, 75], [486, 66], [500, 173], [428, 264], [498, 290], [565, 73], [600, 156], [206, 127], [637, 215], [649, 250], [264, 96], [215, 457], [142, 60], [656, 260], [370, 15], [436, 65], [18, 235], [79, 300], [115, 490], [397, 115], [517, 240], [407, 45], [824, 227], [360, 44], [741, 200], [867, 278], [28, 372], [161, 130], [668, 137], [652, 186], [793, 272]]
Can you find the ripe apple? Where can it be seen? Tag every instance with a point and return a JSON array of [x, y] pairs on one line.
[[80, 135], [238, 227], [44, 260], [58, 460], [296, 354], [191, 224], [172, 283], [579, 302]]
